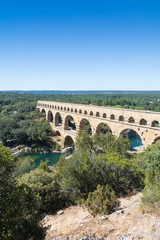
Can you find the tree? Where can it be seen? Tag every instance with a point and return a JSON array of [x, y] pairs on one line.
[[84, 141], [25, 165], [152, 161], [19, 218], [43, 183]]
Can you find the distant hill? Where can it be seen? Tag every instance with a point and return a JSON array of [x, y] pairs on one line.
[[66, 92]]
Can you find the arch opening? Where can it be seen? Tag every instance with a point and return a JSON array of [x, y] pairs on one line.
[[103, 128], [50, 116], [91, 113], [156, 140], [86, 126], [155, 124], [121, 118], [43, 111], [104, 115], [68, 142], [58, 119], [85, 112], [112, 117], [57, 133], [134, 138], [97, 114], [143, 122], [131, 120], [69, 123]]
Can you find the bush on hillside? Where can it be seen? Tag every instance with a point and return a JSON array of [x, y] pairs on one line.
[[44, 185], [25, 165], [151, 193], [81, 174], [102, 201], [151, 198]]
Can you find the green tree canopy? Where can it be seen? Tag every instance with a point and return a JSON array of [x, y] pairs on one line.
[[19, 218]]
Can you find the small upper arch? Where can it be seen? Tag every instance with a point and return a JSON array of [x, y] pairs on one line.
[[97, 114], [121, 118], [91, 113], [112, 117], [155, 123], [143, 122], [80, 111], [85, 112], [131, 120], [104, 115]]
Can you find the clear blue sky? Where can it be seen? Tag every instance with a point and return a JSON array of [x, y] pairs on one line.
[[79, 45]]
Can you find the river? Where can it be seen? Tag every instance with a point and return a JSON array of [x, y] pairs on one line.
[[53, 158], [135, 141]]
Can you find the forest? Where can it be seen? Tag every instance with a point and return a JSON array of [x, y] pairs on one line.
[[100, 170]]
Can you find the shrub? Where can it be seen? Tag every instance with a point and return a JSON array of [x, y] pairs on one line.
[[82, 173], [43, 183], [151, 194], [151, 199], [102, 201], [25, 165]]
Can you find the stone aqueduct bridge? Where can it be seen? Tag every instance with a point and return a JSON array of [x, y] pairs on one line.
[[145, 123]]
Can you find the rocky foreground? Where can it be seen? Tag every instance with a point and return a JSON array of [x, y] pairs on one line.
[[128, 223]]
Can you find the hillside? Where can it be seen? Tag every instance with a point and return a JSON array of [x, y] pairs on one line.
[[125, 224]]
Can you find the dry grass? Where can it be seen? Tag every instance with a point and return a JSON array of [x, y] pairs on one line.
[[77, 221]]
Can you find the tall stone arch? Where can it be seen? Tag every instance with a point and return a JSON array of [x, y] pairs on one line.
[[50, 116], [69, 123], [58, 119], [132, 133], [86, 126], [68, 141], [103, 128]]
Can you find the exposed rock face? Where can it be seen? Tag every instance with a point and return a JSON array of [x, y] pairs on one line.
[[128, 223]]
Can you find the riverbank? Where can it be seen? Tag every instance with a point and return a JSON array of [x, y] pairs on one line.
[[25, 150]]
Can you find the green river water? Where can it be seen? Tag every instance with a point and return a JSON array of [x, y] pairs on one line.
[[53, 158]]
